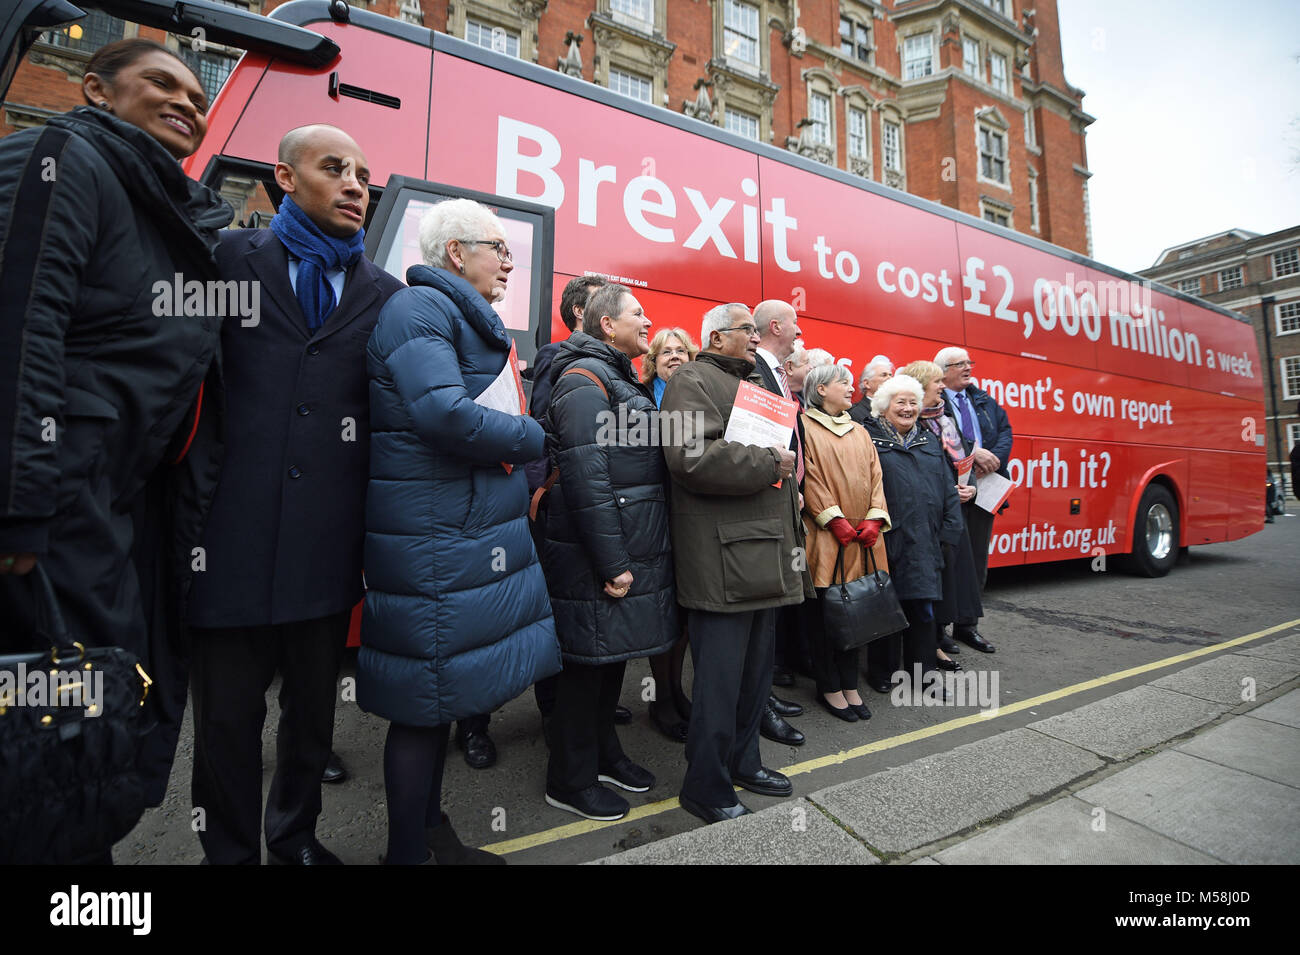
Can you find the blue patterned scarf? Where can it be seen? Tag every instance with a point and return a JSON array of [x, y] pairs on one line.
[[317, 253]]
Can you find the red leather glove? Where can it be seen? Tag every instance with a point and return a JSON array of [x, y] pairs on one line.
[[869, 531], [843, 530]]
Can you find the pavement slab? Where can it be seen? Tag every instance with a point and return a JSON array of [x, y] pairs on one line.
[[1285, 648], [920, 802], [1258, 747], [1122, 725], [1232, 678], [1231, 815], [1285, 710], [1065, 832], [794, 833]]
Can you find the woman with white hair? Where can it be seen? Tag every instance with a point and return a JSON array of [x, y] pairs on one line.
[[927, 524], [456, 619], [844, 512]]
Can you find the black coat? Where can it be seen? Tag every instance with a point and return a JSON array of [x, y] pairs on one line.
[[608, 512], [90, 350], [923, 509], [995, 427], [285, 537]]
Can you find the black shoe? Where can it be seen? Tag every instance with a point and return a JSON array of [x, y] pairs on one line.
[[766, 782], [675, 730], [846, 714], [448, 850], [784, 707], [947, 644], [480, 752], [861, 710], [972, 638], [712, 814], [626, 774], [622, 715], [781, 676], [778, 730], [594, 802], [313, 853], [943, 664], [880, 686], [334, 771]]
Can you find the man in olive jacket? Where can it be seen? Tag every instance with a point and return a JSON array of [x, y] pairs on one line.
[[737, 546]]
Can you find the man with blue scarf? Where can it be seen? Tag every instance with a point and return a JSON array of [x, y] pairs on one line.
[[280, 568]]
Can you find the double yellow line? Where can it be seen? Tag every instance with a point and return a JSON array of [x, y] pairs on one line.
[[560, 833]]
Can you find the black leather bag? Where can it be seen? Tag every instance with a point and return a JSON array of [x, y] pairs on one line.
[[70, 730], [860, 611]]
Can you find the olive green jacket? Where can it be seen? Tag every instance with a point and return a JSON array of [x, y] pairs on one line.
[[738, 543]]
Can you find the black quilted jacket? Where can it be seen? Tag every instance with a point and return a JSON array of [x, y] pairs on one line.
[[608, 512]]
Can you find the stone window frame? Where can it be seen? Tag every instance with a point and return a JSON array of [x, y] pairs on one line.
[[992, 118], [821, 82], [744, 114], [857, 98], [519, 17], [636, 77], [1291, 256], [1292, 435], [996, 57], [763, 67], [978, 62], [991, 204], [1279, 318], [658, 10], [892, 114], [1035, 213], [934, 55], [618, 45], [860, 22], [1286, 375], [1195, 282], [1239, 281], [743, 91]]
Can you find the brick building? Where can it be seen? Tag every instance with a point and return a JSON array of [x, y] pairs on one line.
[[1257, 276], [960, 101]]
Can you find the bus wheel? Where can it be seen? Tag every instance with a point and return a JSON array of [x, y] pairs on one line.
[[1155, 533]]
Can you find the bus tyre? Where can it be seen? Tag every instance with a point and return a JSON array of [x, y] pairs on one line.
[[1155, 533]]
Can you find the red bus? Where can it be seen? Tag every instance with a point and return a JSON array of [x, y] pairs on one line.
[[1138, 410]]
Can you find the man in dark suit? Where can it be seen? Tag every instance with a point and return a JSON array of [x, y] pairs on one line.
[[282, 549]]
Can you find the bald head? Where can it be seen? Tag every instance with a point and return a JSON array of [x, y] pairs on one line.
[[778, 325], [326, 173]]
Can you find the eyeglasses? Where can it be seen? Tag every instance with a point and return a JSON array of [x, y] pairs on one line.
[[960, 364], [749, 330], [502, 250]]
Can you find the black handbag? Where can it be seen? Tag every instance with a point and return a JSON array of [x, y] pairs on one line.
[[71, 722], [860, 611]]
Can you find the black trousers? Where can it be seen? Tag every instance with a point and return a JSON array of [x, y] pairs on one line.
[[834, 670], [732, 657], [582, 725], [899, 651], [979, 524], [231, 671]]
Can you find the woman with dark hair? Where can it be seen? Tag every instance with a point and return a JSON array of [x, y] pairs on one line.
[[98, 224], [606, 554]]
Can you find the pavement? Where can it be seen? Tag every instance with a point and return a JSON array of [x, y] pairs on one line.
[[1197, 767]]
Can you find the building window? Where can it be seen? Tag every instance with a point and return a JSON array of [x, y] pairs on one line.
[[970, 57], [1031, 137], [993, 155], [996, 217], [858, 141], [1288, 318], [740, 31], [211, 69], [492, 37], [741, 123], [891, 146], [1190, 286], [1292, 437], [1033, 202], [855, 40], [1230, 278], [819, 111], [637, 13], [1286, 262], [629, 84], [918, 56], [999, 5], [998, 72], [1291, 377], [95, 30]]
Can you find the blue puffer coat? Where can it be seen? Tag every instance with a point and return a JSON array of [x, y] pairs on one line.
[[456, 619]]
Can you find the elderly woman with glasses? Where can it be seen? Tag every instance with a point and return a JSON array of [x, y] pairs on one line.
[[844, 512], [456, 619]]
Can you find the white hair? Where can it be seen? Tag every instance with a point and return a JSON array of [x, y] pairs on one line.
[[718, 318], [879, 361], [950, 354], [798, 355], [462, 219], [885, 393], [823, 374], [820, 356]]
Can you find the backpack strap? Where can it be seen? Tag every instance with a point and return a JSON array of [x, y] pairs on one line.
[[554, 476]]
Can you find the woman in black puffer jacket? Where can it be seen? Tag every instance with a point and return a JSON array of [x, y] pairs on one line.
[[606, 552]]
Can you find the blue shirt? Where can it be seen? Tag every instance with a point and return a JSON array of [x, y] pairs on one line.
[[658, 389], [334, 277], [958, 399]]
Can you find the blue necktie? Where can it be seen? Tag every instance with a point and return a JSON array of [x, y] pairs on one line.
[[967, 423]]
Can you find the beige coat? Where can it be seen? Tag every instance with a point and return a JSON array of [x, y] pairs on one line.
[[841, 479]]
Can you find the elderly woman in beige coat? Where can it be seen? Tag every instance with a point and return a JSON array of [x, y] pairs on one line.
[[844, 506]]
